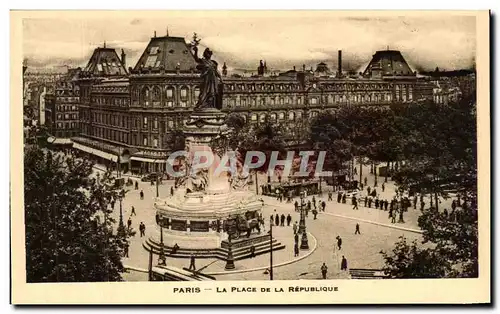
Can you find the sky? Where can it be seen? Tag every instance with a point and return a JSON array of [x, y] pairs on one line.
[[282, 39]]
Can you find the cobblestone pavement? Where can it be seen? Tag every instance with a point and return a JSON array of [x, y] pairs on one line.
[[361, 251]]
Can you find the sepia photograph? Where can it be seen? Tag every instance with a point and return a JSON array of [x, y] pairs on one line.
[[333, 148]]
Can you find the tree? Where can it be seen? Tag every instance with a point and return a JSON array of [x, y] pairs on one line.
[[451, 248], [175, 140], [69, 231]]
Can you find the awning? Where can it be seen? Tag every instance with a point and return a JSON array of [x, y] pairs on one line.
[[95, 152], [157, 161]]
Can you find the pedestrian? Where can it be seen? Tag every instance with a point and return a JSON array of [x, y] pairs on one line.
[[445, 213], [357, 229], [339, 197], [369, 202], [324, 270], [453, 205], [323, 205], [369, 189], [192, 265], [152, 182], [113, 204], [252, 251], [295, 227], [174, 249], [296, 238], [171, 191], [376, 203], [339, 242], [330, 196], [386, 204], [296, 249], [129, 222], [393, 217], [142, 227], [355, 203], [288, 220], [136, 185], [383, 187], [125, 249], [283, 220], [133, 211], [277, 220], [314, 202], [343, 264], [296, 204], [366, 182], [422, 204], [344, 198], [315, 213], [415, 202], [142, 194]]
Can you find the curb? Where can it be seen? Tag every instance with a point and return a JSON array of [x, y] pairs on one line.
[[376, 223], [245, 270], [274, 266], [367, 221]]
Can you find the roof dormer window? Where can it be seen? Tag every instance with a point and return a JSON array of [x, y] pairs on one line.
[[154, 50]]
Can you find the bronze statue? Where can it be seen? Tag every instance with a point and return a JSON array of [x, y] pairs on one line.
[[211, 86]]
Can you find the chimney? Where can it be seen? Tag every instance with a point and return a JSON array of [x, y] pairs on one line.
[[303, 68], [339, 66], [124, 61], [294, 67]]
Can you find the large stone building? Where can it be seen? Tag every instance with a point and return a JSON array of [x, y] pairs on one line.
[[126, 116]]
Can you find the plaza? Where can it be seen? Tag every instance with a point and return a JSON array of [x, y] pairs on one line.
[[362, 251]]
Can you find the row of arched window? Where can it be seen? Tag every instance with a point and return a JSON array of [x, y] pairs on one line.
[[155, 95], [260, 87]]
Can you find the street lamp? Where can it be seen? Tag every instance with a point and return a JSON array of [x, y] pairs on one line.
[[304, 243], [121, 227], [302, 223], [162, 259], [271, 247], [230, 258]]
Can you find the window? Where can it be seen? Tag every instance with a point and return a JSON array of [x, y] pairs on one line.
[[299, 101], [273, 117], [155, 123], [145, 141], [150, 61], [253, 117], [154, 50], [291, 116], [170, 92], [66, 116], [262, 118], [170, 103], [314, 101], [170, 124], [145, 123], [196, 92], [282, 101], [299, 115], [155, 142], [184, 92], [281, 115], [183, 103]]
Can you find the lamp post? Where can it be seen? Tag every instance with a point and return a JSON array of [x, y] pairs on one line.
[[121, 227], [302, 223], [230, 258], [162, 259], [271, 252], [304, 243]]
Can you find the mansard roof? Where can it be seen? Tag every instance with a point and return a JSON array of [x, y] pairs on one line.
[[168, 53], [105, 62]]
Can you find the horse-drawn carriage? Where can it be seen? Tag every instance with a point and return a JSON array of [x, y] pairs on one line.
[[242, 224]]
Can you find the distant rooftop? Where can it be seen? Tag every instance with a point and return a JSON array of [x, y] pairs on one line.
[[105, 62], [388, 63]]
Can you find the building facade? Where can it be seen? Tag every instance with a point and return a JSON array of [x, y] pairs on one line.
[[126, 116]]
